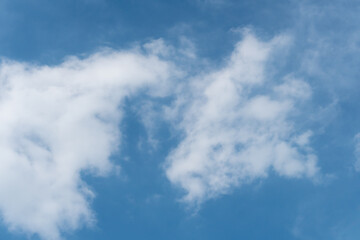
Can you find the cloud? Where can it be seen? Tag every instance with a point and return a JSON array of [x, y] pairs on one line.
[[60, 122], [237, 125], [328, 43], [357, 151]]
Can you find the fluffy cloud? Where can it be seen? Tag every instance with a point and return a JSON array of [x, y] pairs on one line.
[[59, 122], [237, 125]]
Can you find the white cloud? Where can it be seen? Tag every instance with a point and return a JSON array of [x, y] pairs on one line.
[[237, 125], [58, 122]]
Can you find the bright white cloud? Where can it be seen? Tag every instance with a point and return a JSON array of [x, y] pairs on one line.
[[237, 125], [58, 122]]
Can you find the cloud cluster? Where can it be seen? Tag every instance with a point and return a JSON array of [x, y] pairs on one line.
[[59, 122], [237, 125]]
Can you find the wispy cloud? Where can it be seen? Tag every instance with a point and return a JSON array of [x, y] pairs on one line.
[[357, 151], [237, 125]]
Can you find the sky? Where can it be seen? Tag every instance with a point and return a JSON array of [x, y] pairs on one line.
[[202, 119]]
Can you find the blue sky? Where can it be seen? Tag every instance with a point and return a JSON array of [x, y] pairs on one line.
[[204, 119]]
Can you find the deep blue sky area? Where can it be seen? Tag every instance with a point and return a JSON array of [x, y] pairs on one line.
[[139, 201], [46, 31]]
